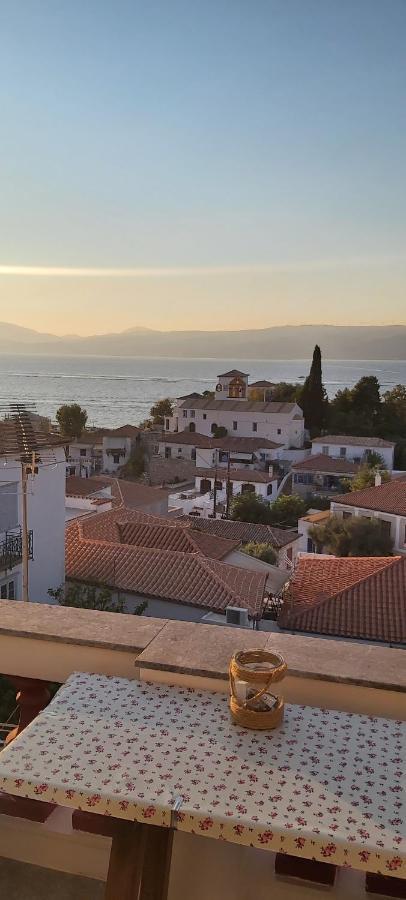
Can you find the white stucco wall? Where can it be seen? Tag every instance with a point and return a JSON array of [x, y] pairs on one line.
[[279, 427], [46, 518], [355, 452], [261, 489]]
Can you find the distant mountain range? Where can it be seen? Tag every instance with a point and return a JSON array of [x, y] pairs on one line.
[[282, 342]]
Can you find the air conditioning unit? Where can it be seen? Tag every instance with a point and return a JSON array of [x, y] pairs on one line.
[[235, 615]]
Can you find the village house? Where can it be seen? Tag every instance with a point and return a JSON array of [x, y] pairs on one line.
[[321, 474], [354, 449], [284, 541], [241, 452], [45, 518], [237, 481], [384, 502], [100, 494], [231, 409], [106, 450]]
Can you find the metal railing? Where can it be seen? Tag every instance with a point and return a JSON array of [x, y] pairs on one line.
[[11, 548]]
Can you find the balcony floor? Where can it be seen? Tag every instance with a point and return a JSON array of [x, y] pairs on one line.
[[20, 881]]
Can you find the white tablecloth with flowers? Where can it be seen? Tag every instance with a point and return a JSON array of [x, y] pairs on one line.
[[325, 785]]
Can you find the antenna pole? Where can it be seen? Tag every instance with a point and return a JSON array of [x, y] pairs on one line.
[[25, 554], [228, 483], [215, 487]]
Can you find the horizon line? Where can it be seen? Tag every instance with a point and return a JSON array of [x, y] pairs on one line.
[[191, 271]]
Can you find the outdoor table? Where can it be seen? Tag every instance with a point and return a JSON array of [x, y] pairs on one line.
[[325, 785]]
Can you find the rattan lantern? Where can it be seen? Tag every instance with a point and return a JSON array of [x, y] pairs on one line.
[[252, 676]]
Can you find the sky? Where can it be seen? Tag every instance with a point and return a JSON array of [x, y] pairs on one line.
[[203, 164]]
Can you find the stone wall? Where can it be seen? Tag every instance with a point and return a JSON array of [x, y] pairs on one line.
[[164, 471]]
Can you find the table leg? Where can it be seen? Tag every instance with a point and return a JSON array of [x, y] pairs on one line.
[[126, 862], [157, 863]]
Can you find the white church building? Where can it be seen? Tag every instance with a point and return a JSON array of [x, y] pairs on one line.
[[231, 408]]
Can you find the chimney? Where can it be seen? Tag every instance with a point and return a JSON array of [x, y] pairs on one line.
[[378, 479], [270, 471]]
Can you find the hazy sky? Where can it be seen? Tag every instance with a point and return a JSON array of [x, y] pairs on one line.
[[231, 164]]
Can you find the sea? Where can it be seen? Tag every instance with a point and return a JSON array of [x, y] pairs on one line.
[[116, 391]]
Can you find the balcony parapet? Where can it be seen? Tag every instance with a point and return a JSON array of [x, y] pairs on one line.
[[47, 642]]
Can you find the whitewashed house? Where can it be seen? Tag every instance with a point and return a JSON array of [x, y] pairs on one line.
[[101, 451], [46, 525], [354, 449], [241, 481], [208, 451], [282, 423], [385, 502]]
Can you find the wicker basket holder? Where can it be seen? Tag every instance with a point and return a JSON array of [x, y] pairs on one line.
[[252, 702]]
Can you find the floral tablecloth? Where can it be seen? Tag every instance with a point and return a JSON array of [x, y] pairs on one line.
[[325, 785]]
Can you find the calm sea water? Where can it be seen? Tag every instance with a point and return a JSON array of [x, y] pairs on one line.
[[119, 390]]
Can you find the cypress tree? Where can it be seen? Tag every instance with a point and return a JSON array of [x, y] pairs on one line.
[[313, 399]]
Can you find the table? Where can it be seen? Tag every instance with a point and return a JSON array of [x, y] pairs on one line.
[[325, 785]]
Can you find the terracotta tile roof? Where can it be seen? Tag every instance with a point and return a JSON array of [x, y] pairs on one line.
[[174, 537], [389, 497], [357, 597], [131, 494], [319, 516], [204, 442], [189, 578], [232, 373], [84, 487], [245, 475], [350, 440], [326, 465], [240, 405], [242, 531]]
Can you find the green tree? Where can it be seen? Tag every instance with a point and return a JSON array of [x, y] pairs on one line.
[[284, 392], [71, 419], [250, 508], [136, 463], [219, 431], [313, 397], [366, 477], [92, 596], [287, 509], [356, 536], [161, 410], [262, 551], [393, 413]]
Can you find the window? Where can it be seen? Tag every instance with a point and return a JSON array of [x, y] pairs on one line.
[[179, 450], [279, 430], [192, 413], [343, 451], [205, 415], [166, 424], [116, 459], [235, 426], [192, 426], [11, 592], [310, 546], [83, 451], [386, 526], [214, 427], [248, 489], [269, 489], [168, 452], [325, 451], [255, 426], [218, 485], [185, 413], [3, 592], [347, 515], [193, 453]]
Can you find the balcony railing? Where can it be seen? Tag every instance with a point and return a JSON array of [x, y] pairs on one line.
[[11, 549]]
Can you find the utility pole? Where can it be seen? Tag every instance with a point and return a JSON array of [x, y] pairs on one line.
[[228, 487], [215, 487], [25, 548]]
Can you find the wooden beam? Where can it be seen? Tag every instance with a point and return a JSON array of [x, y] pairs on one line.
[[157, 863], [126, 862]]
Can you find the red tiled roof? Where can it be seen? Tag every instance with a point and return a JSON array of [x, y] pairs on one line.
[[388, 498], [242, 531], [184, 577], [270, 406], [174, 537], [231, 373], [326, 465], [230, 442], [350, 440], [245, 475], [84, 487], [358, 597]]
